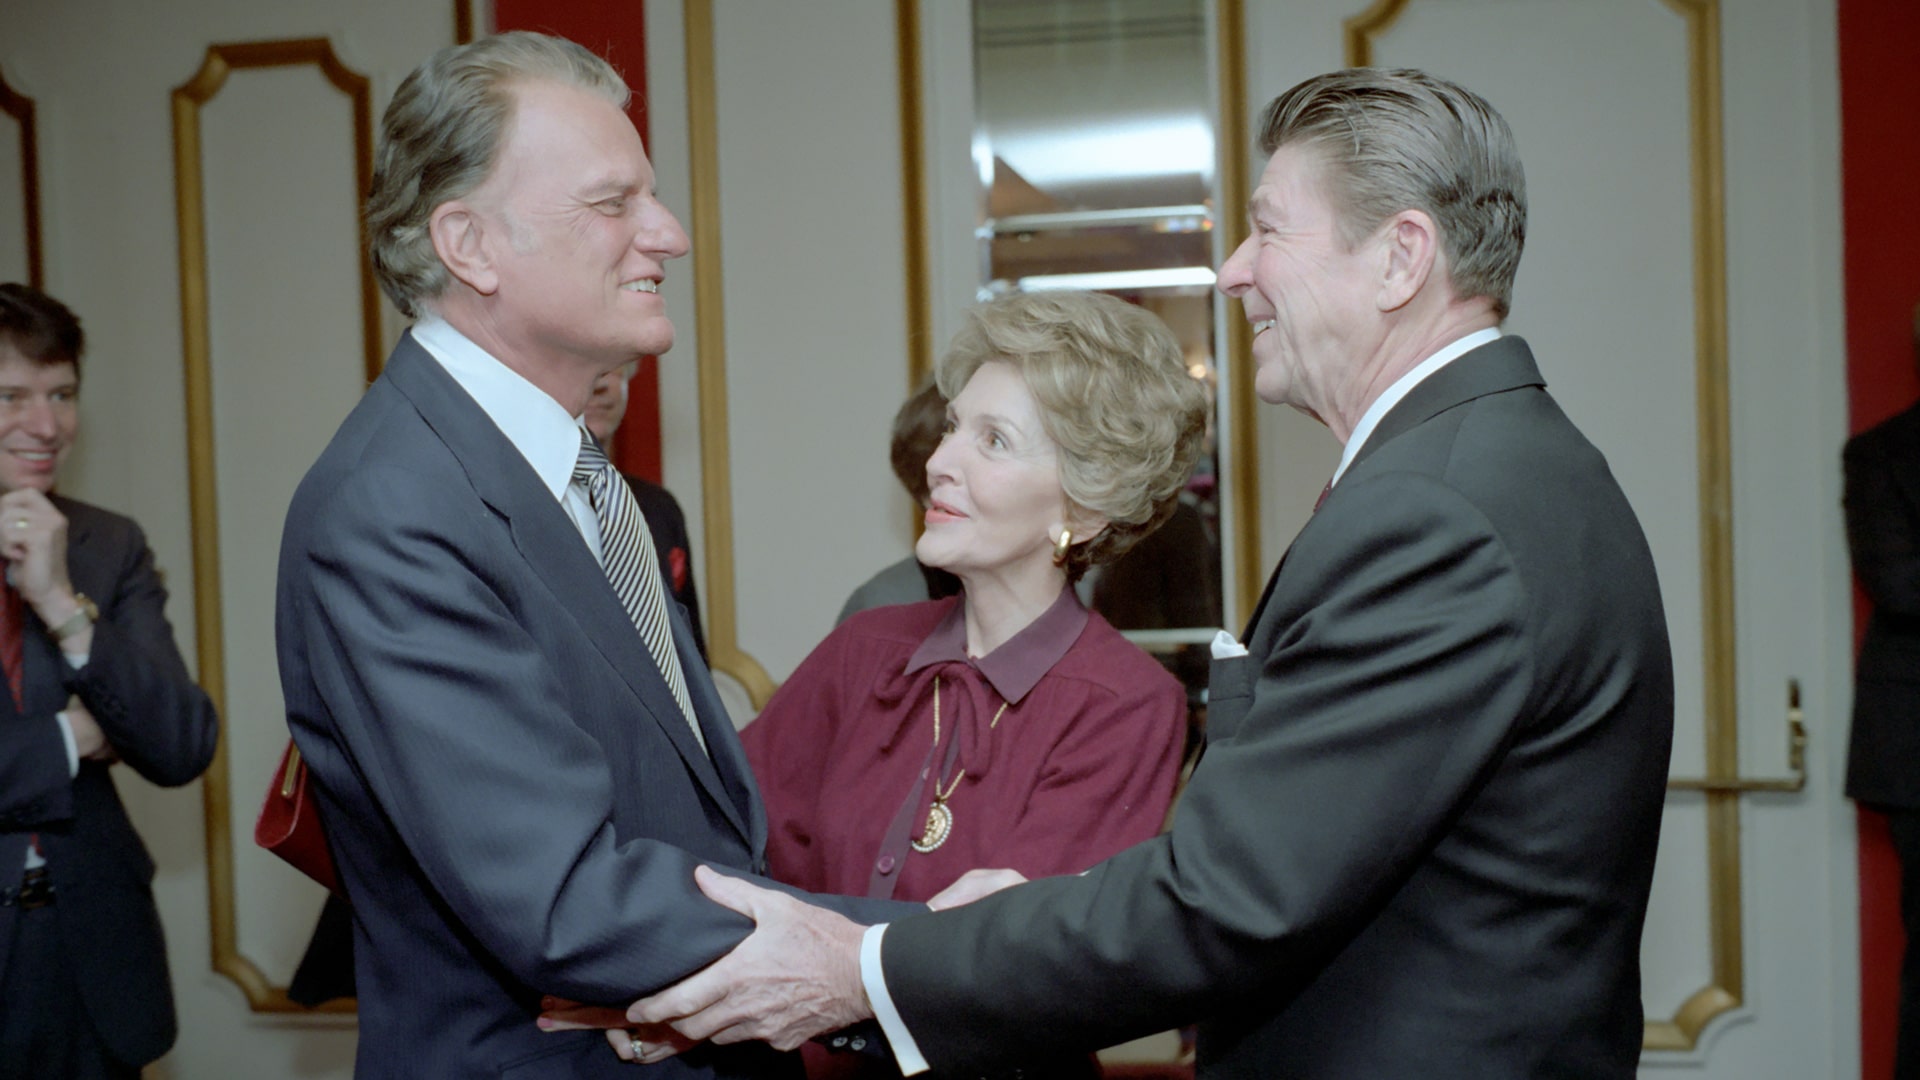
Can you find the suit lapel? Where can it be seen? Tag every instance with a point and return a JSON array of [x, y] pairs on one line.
[[555, 552]]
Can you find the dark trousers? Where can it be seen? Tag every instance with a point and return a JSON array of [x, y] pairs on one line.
[[1904, 825], [44, 1030]]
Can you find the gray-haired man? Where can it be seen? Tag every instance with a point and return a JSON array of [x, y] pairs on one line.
[[518, 755]]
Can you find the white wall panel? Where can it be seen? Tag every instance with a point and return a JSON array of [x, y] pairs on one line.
[[286, 365], [815, 309], [13, 199]]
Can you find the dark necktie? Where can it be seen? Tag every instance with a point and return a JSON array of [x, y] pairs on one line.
[[632, 566]]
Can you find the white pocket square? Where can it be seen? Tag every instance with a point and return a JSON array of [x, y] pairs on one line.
[[1225, 647]]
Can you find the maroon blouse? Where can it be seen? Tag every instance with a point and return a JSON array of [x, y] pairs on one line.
[[1081, 765]]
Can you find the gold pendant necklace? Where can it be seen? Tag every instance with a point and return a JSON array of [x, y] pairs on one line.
[[939, 824]]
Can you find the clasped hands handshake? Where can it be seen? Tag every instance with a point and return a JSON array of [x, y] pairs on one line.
[[796, 976]]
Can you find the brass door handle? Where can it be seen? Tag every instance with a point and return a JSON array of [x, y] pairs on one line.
[[1796, 760]]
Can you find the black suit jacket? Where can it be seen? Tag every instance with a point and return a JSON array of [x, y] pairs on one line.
[[513, 799], [1883, 535], [161, 724], [1422, 838]]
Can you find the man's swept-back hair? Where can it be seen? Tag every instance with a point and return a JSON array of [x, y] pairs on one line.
[[441, 135], [1405, 140], [39, 327]]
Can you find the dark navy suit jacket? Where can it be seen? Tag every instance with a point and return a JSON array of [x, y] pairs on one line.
[[513, 799], [163, 727]]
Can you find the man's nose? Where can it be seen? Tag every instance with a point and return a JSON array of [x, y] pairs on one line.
[[38, 420], [664, 237], [1236, 274]]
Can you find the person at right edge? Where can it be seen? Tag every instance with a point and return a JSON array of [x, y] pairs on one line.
[[1883, 537], [1421, 842]]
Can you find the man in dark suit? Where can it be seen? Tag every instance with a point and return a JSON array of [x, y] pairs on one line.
[[92, 677], [1883, 758], [1422, 838], [517, 754]]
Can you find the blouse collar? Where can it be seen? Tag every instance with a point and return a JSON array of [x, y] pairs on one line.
[[1017, 665]]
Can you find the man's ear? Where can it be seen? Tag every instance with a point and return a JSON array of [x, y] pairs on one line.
[[1410, 248], [460, 239]]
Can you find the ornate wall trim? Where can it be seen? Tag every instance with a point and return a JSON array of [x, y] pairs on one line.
[[190, 210], [1235, 172], [20, 107], [1714, 456], [913, 187], [709, 305]]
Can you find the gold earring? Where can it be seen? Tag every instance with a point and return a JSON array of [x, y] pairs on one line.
[[1060, 547]]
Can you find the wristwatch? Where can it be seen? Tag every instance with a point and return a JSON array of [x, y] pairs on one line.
[[84, 616]]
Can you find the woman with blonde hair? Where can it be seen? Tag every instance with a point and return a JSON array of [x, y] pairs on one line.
[[1007, 726]]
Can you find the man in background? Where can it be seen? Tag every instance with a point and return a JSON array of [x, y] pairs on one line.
[[918, 426], [92, 678], [1882, 466], [606, 408]]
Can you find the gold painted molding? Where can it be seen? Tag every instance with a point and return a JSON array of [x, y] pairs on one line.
[[190, 211], [1235, 170], [920, 344], [709, 306], [1714, 456], [20, 107]]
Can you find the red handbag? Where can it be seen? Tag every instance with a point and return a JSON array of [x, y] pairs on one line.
[[289, 824]]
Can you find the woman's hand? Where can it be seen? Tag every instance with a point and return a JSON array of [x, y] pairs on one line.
[[646, 1044], [973, 885]]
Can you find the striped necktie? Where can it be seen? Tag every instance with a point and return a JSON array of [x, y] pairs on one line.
[[632, 566]]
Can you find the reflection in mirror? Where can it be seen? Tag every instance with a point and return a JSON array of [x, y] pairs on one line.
[[1094, 143]]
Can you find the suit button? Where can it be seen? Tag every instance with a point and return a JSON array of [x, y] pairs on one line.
[[839, 1042], [859, 1043], [885, 865]]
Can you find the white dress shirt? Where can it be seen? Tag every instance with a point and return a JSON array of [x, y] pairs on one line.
[[528, 416], [1414, 377], [905, 1051]]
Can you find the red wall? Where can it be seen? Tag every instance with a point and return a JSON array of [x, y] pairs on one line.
[[618, 32], [1880, 158]]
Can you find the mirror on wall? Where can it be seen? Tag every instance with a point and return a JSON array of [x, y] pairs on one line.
[[1094, 142]]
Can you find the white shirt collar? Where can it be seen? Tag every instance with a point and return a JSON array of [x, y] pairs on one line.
[[1386, 401], [528, 416]]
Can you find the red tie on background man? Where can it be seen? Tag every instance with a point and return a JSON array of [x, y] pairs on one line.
[[13, 651], [1324, 492], [13, 655]]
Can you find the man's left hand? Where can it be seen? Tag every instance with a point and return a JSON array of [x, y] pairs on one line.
[[796, 976]]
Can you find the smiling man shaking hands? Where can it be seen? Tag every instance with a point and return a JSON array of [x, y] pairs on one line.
[[519, 757]]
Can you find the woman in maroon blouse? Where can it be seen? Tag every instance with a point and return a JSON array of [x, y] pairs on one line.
[[1008, 726]]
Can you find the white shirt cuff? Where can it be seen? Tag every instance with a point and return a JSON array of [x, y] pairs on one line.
[[906, 1053], [73, 748]]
